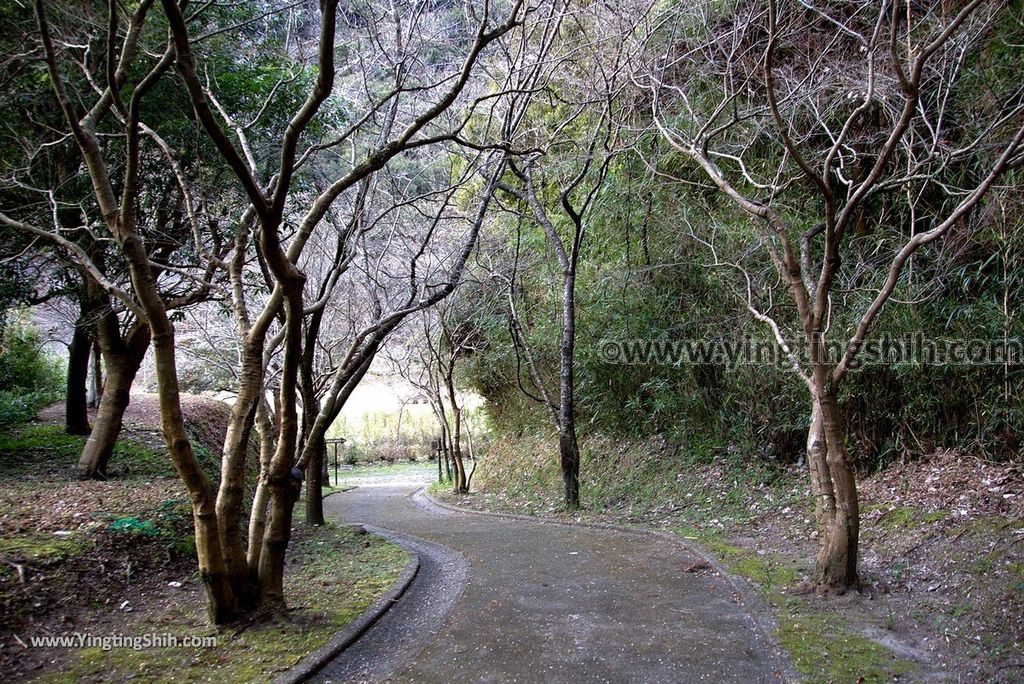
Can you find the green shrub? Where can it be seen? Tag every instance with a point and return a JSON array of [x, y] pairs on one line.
[[30, 378]]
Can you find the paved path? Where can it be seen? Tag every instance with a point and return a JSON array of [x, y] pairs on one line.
[[502, 600]]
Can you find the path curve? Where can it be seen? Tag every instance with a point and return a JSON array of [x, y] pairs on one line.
[[502, 600]]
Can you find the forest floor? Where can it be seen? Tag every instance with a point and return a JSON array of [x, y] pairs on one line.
[[942, 549], [116, 558]]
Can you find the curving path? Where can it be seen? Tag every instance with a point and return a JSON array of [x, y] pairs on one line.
[[507, 600]]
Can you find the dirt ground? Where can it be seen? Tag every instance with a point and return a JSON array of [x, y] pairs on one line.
[[82, 556]]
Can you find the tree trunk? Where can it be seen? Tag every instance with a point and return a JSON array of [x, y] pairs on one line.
[[76, 403], [96, 384], [459, 485], [221, 602], [260, 501], [315, 483], [283, 491], [231, 492], [837, 556], [570, 461], [833, 486], [122, 358], [444, 442], [222, 605], [250, 406], [447, 462], [567, 445], [817, 466], [437, 455], [319, 413], [314, 439], [284, 483]]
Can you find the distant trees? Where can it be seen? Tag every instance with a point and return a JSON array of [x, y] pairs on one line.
[[428, 357], [29, 379], [852, 135], [365, 342]]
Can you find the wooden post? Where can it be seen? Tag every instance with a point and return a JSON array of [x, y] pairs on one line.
[[437, 455]]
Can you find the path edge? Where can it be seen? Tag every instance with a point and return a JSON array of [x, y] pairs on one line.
[[316, 660], [764, 624]]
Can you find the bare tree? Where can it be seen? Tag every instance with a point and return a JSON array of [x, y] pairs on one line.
[[579, 148], [564, 413], [76, 401], [825, 122], [439, 339], [365, 345], [269, 200]]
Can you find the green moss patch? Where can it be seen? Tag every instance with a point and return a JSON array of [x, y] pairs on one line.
[[41, 546], [910, 518], [823, 649], [45, 449], [771, 573]]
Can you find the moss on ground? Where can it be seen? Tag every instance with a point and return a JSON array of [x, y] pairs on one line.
[[44, 448], [44, 451], [333, 576], [823, 649], [909, 517], [771, 573], [822, 645], [41, 546]]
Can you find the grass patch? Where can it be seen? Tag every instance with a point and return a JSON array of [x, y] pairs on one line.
[[771, 573], [41, 546], [45, 450], [910, 518], [639, 481], [357, 475], [824, 650], [36, 449], [333, 576], [398, 468], [25, 449]]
